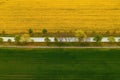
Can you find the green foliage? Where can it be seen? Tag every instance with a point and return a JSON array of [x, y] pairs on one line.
[[32, 40], [111, 39], [17, 38], [25, 38], [3, 33], [1, 40], [47, 39], [80, 35], [119, 40], [107, 33], [44, 31], [98, 38], [30, 31], [55, 39], [9, 40]]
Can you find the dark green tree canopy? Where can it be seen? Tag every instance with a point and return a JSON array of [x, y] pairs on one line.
[[44, 31]]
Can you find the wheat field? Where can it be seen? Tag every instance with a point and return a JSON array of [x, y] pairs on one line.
[[59, 15]]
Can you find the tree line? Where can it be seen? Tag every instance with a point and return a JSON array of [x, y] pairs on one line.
[[61, 33], [79, 34]]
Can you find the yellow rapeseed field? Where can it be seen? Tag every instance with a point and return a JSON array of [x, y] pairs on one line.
[[59, 15]]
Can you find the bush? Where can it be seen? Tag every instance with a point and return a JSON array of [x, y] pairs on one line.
[[47, 39], [111, 39], [30, 31], [118, 40], [80, 35], [55, 39], [9, 40], [98, 38], [17, 38], [44, 31], [32, 40], [1, 40]]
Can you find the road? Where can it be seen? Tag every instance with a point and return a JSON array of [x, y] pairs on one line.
[[64, 39]]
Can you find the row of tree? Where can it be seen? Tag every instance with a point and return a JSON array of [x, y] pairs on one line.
[[64, 33], [31, 32], [81, 35], [71, 33]]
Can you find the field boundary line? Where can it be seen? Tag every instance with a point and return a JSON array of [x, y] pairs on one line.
[[54, 47]]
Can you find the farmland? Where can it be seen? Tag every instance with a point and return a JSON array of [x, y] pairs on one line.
[[60, 15], [59, 64]]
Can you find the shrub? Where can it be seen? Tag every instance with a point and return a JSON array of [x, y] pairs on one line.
[[111, 39], [44, 31], [98, 38], [25, 38], [80, 35], [118, 40], [9, 40], [30, 31], [17, 38], [1, 40], [55, 39], [47, 39]]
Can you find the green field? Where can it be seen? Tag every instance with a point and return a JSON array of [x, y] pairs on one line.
[[59, 64]]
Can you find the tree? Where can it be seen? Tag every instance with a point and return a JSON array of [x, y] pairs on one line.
[[17, 38], [30, 31], [44, 31], [97, 38], [32, 40], [80, 35], [1, 40], [47, 39], [25, 38], [3, 33], [107, 33], [55, 39], [9, 40], [111, 39], [118, 40]]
